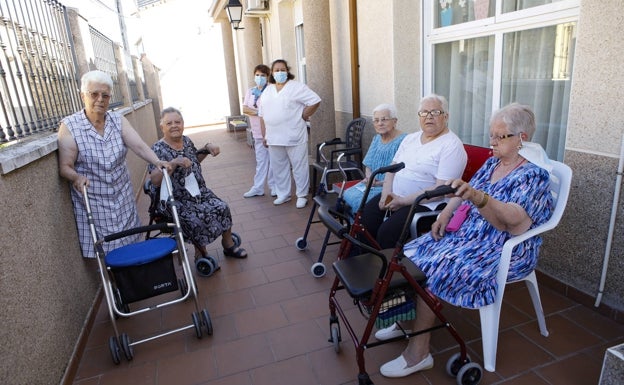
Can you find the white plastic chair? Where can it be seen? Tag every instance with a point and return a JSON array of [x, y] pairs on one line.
[[560, 180]]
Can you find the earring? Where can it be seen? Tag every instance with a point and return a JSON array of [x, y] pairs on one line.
[[520, 145]]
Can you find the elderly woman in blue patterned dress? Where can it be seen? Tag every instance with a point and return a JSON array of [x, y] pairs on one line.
[[379, 154], [93, 144], [507, 196], [203, 216]]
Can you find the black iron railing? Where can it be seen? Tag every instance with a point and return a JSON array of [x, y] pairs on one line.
[[39, 76], [37, 72]]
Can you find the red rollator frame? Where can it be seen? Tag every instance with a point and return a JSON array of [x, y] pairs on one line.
[[383, 283]]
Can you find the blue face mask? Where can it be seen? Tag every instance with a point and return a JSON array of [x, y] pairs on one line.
[[260, 80], [280, 77]]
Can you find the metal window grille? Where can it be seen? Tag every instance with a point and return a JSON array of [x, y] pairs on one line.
[[37, 72]]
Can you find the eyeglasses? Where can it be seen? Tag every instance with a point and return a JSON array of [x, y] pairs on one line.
[[96, 95], [382, 120], [498, 138], [434, 113]]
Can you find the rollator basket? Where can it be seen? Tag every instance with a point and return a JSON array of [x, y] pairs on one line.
[[143, 270]]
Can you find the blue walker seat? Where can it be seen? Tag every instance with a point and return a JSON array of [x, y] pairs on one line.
[[140, 253]]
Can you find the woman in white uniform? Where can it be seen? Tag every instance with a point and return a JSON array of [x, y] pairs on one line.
[[286, 107]]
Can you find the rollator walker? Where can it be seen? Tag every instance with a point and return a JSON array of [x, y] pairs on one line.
[[143, 270], [383, 283]]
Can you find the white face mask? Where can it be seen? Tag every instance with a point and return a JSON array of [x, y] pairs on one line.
[[260, 80], [280, 77]]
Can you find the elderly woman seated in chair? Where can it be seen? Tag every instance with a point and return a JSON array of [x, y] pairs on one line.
[[380, 153], [203, 216], [507, 196]]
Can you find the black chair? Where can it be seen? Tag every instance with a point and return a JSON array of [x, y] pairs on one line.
[[327, 152]]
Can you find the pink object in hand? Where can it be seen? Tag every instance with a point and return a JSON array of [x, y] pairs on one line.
[[459, 216]]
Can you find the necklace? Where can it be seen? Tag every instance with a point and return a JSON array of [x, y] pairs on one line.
[[515, 167]]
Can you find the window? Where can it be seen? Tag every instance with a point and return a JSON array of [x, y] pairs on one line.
[[514, 51]]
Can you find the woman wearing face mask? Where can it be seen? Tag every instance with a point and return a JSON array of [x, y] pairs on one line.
[[286, 107], [250, 108]]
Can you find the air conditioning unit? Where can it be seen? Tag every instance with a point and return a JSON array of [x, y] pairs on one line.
[[257, 7]]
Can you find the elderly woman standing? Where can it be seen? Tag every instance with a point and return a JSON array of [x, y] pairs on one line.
[[379, 154], [203, 216], [92, 152], [507, 196], [432, 156], [286, 107]]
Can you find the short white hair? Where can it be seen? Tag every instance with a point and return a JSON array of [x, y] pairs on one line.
[[95, 76], [391, 108]]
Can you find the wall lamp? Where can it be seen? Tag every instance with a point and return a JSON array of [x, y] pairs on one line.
[[234, 11]]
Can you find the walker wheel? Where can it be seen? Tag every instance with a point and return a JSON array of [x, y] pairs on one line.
[[126, 347], [364, 379], [206, 321], [318, 270], [454, 364], [113, 346], [197, 324], [205, 267], [470, 374], [335, 337], [301, 244], [237, 239]]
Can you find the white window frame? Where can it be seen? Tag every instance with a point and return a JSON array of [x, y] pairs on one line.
[[536, 17]]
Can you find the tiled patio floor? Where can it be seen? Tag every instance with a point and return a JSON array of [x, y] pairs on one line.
[[270, 315]]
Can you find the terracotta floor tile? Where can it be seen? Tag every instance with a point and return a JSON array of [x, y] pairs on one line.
[[260, 319], [517, 354], [242, 378], [565, 336], [230, 302], [242, 355], [285, 270], [575, 370], [529, 378], [274, 292], [187, 369], [306, 307], [291, 371], [131, 374], [246, 279], [297, 339], [270, 316], [594, 322]]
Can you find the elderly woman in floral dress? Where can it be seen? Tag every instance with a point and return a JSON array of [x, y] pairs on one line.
[[507, 196]]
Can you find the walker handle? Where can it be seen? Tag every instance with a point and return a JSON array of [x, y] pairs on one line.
[[437, 192]]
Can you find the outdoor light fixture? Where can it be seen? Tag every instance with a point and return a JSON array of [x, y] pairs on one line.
[[234, 11]]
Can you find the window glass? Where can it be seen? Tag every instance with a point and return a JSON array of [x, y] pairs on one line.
[[517, 5], [451, 12], [537, 70], [464, 73], [523, 56]]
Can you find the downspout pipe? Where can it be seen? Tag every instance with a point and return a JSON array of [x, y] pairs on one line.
[[614, 207], [355, 63]]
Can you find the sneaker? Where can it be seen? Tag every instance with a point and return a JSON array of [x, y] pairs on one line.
[[252, 193], [281, 200], [390, 332], [302, 202], [273, 193]]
